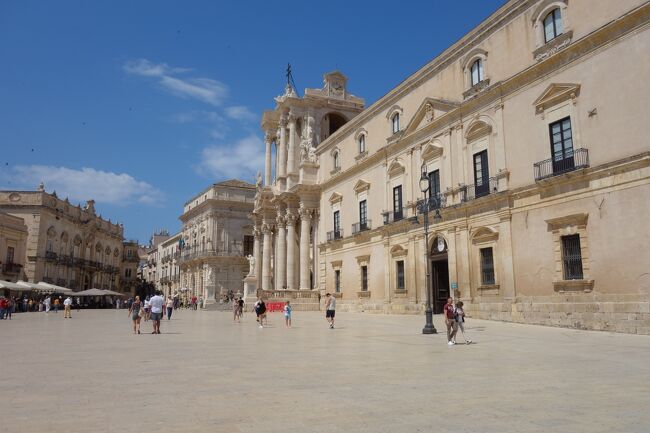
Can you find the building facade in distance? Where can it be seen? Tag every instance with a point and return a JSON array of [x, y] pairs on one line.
[[169, 278], [216, 238], [67, 245], [129, 268], [13, 245], [539, 176]]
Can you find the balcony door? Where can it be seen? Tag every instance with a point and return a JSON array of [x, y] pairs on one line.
[[397, 203], [481, 174], [562, 145]]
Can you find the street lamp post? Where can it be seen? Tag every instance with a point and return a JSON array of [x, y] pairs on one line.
[[425, 185]]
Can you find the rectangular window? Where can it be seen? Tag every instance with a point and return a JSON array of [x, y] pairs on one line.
[[362, 143], [572, 257], [10, 255], [364, 278], [562, 145], [487, 266], [400, 275], [337, 224], [481, 174], [434, 181], [337, 281], [397, 203], [129, 253], [363, 215], [248, 244]]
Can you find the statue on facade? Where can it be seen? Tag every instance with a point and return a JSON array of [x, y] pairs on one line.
[[307, 150], [251, 265]]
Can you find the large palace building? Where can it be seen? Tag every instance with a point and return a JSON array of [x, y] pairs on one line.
[[525, 136]]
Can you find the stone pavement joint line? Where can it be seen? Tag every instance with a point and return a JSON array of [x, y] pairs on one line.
[[372, 373]]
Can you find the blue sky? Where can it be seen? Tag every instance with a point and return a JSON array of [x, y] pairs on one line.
[[142, 104]]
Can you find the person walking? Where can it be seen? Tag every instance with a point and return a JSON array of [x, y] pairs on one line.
[[47, 302], [136, 312], [330, 309], [147, 308], [287, 314], [67, 306], [3, 307], [240, 302], [260, 311], [460, 320], [156, 303], [450, 320], [57, 304], [170, 307], [235, 310]]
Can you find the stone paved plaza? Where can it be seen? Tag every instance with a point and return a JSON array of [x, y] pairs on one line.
[[373, 373]]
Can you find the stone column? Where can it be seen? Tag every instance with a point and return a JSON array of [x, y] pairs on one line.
[[257, 253], [291, 158], [281, 278], [304, 248], [267, 162], [282, 149], [266, 257], [291, 249]]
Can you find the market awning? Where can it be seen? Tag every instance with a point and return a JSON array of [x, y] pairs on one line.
[[112, 293], [54, 287], [14, 286], [90, 292]]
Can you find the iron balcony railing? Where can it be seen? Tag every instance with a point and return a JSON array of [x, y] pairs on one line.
[[393, 216], [334, 235], [471, 192], [50, 255], [437, 201], [572, 160], [11, 268], [61, 282], [48, 280], [361, 226]]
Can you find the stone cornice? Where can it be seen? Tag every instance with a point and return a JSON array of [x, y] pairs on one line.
[[495, 94]]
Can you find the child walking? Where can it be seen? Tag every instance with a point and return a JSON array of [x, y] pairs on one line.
[[460, 319], [287, 314]]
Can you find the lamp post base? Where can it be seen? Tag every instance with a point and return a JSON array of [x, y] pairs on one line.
[[428, 327]]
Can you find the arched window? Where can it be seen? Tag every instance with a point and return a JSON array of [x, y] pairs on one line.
[[395, 121], [362, 143], [476, 72], [336, 160], [553, 25]]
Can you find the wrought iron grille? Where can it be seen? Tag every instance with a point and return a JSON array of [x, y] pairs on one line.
[[487, 266], [572, 257]]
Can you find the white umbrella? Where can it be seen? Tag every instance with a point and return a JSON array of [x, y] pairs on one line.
[[55, 288], [112, 293], [14, 286], [90, 292]]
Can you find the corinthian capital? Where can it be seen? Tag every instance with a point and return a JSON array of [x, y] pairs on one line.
[[291, 217]]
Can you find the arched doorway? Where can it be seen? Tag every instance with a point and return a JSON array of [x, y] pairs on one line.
[[439, 273]]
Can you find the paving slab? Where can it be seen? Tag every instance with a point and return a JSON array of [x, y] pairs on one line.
[[372, 373]]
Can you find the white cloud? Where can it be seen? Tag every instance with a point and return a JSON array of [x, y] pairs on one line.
[[241, 159], [198, 116], [88, 183], [239, 112], [207, 90]]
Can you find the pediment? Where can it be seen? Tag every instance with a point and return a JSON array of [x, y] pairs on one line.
[[555, 94], [396, 168], [429, 110], [398, 251], [484, 234], [478, 129], [361, 186], [335, 197], [431, 150]]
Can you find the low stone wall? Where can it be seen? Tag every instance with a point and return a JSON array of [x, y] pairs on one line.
[[627, 313]]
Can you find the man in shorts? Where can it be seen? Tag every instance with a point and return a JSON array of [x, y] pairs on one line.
[[156, 304], [330, 309]]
